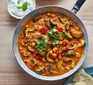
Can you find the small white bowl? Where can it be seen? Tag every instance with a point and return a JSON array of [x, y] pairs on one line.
[[17, 17]]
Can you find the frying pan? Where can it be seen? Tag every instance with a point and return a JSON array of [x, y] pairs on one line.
[[55, 9]]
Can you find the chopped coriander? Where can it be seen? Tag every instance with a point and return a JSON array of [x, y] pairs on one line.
[[41, 46], [55, 42], [53, 34], [18, 2], [24, 6]]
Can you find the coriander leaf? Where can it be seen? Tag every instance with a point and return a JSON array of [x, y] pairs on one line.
[[18, 2], [41, 45], [19, 7], [25, 6], [55, 42], [53, 34]]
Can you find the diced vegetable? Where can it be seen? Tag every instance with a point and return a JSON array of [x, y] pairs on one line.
[[40, 70], [29, 48], [48, 25], [58, 52], [54, 56], [47, 58], [43, 30], [70, 52], [63, 19], [34, 61], [60, 29], [55, 49], [50, 67], [53, 34], [67, 36], [64, 43], [36, 18], [72, 61], [59, 65], [25, 31], [76, 33], [53, 22], [82, 42]]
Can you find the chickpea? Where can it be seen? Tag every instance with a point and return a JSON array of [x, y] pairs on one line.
[[60, 42], [51, 52], [46, 64], [44, 60], [54, 66], [32, 34], [67, 68], [54, 54], [54, 49], [26, 25], [48, 14], [33, 44], [59, 57], [53, 15], [46, 36], [20, 48], [56, 60], [78, 54]]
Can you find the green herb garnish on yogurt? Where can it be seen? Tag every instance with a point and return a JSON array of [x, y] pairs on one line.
[[18, 2], [24, 6]]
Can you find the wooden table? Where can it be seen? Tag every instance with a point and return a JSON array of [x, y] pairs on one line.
[[10, 72]]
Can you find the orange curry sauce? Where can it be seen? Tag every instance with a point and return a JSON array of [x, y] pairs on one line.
[[51, 44]]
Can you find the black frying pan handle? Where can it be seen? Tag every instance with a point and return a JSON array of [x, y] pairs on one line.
[[77, 6]]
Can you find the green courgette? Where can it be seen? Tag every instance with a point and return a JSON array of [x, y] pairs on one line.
[[47, 57], [67, 36], [63, 19], [36, 18], [70, 52], [59, 65], [25, 31]]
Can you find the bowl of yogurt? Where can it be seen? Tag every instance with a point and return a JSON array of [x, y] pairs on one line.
[[19, 8]]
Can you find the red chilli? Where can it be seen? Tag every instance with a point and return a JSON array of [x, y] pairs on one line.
[[60, 29], [25, 41], [43, 30], [64, 43], [58, 52], [34, 55]]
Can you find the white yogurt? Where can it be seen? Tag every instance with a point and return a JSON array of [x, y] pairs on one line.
[[19, 13]]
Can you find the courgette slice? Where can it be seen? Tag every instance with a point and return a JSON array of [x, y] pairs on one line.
[[70, 52], [63, 19], [53, 22], [59, 65], [47, 57], [48, 25], [67, 36], [25, 31], [33, 61], [36, 18], [81, 43], [76, 33], [72, 61], [40, 70]]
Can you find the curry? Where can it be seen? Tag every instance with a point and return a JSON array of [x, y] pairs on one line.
[[51, 44]]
